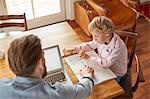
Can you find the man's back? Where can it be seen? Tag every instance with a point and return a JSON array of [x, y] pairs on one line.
[[33, 88]]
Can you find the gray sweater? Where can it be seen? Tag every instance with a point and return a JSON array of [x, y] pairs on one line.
[[33, 88]]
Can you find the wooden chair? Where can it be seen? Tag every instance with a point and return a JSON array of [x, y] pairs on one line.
[[127, 83], [142, 8], [131, 3], [122, 16], [13, 23]]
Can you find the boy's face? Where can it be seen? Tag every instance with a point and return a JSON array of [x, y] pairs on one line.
[[98, 36]]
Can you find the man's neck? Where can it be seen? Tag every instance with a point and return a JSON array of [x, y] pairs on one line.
[[36, 74]]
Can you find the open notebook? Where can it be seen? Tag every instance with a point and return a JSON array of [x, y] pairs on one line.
[[100, 74]]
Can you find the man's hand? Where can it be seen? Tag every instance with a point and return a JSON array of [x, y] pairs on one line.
[[68, 52], [86, 72], [83, 55]]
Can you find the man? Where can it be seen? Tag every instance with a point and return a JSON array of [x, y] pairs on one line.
[[26, 60]]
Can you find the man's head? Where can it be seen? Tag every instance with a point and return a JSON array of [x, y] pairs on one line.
[[26, 58], [101, 28]]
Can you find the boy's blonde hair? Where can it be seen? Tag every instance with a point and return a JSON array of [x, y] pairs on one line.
[[102, 23]]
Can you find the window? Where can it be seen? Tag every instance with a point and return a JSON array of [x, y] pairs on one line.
[[19, 7], [46, 7], [38, 12], [33, 8]]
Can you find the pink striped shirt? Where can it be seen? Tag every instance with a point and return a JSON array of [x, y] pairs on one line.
[[112, 55]]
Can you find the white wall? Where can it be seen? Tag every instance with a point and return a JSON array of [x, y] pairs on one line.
[[142, 1], [2, 7], [70, 9]]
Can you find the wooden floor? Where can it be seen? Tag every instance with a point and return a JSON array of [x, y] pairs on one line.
[[143, 49]]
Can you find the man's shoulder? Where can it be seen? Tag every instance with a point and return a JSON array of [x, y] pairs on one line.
[[5, 80]]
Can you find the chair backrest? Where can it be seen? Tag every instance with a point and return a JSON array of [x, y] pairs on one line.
[[131, 3], [13, 22], [124, 18], [130, 39]]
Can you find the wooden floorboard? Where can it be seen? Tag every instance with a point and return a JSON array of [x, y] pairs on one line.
[[143, 50]]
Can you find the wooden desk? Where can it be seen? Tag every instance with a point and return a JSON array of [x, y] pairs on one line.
[[105, 90]]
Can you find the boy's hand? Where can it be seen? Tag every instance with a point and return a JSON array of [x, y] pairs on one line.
[[83, 55], [68, 52], [86, 72]]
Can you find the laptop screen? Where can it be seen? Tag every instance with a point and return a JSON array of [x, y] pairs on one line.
[[53, 59]]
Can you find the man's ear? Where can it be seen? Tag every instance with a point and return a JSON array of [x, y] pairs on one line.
[[40, 63]]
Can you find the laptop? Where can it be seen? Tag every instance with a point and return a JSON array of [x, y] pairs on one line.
[[54, 66]]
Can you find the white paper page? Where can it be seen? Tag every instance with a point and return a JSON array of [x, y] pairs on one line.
[[100, 74]]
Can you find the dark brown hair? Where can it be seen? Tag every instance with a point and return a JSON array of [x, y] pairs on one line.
[[23, 55]]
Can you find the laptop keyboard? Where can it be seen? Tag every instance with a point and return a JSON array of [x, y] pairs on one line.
[[57, 77]]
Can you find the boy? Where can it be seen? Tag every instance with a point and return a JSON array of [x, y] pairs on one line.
[[111, 49]]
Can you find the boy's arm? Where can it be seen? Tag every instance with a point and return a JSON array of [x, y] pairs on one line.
[[82, 47], [85, 47]]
